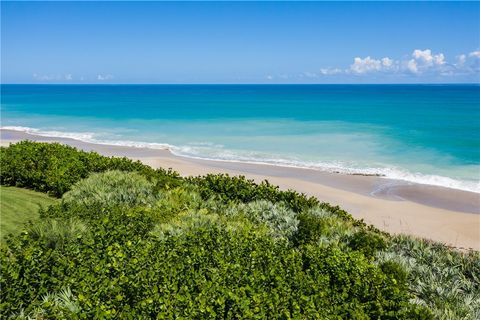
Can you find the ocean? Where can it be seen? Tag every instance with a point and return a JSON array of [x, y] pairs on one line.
[[426, 134]]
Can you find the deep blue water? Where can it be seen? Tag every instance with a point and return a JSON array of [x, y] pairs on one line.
[[421, 133]]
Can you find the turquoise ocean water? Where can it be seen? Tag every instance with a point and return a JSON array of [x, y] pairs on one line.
[[420, 133]]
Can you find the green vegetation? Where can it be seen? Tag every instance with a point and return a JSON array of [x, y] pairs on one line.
[[111, 189], [17, 206], [128, 241], [53, 168], [445, 280]]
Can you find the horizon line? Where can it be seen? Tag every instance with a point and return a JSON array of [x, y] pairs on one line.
[[233, 84]]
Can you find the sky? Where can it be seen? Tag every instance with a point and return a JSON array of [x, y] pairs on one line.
[[240, 42]]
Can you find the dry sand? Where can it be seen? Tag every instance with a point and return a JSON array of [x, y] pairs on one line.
[[441, 214]]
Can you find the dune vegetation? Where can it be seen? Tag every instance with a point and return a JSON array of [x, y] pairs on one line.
[[127, 241]]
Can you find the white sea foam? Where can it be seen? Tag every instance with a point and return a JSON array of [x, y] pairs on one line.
[[89, 137], [210, 151]]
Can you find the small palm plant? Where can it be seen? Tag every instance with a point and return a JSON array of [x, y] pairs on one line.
[[445, 280], [59, 305], [55, 233]]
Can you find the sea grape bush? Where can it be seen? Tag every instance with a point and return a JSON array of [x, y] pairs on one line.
[[367, 242], [54, 168], [241, 189]]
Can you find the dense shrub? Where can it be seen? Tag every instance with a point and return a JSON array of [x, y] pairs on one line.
[[310, 228], [241, 189], [367, 242], [110, 189], [54, 168], [215, 267]]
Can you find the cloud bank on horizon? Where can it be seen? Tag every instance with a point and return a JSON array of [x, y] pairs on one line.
[[419, 63]]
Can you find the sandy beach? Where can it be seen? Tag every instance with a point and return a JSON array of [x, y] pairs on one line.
[[446, 215]]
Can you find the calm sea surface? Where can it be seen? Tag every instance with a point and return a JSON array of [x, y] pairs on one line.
[[419, 133]]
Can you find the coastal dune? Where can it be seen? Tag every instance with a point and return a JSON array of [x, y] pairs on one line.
[[441, 214]]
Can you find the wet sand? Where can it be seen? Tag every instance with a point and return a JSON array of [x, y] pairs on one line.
[[442, 214]]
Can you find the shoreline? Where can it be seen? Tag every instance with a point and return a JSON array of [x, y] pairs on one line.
[[392, 173], [442, 214]]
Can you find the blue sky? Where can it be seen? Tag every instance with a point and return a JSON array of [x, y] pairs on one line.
[[247, 42]]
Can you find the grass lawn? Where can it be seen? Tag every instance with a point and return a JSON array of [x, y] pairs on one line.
[[17, 206]]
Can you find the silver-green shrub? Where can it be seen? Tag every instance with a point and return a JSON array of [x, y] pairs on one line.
[[183, 223], [110, 189], [336, 230], [56, 233], [445, 280], [278, 217]]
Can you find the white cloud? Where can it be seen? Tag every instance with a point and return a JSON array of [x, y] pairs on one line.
[[425, 61], [269, 77], [365, 65], [310, 75], [387, 62], [421, 62], [43, 77], [412, 66], [52, 77], [468, 63], [105, 77], [330, 71], [369, 65], [428, 58], [475, 54], [461, 59]]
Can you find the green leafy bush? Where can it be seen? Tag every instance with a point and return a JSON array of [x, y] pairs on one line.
[[241, 189], [310, 228], [54, 168], [367, 242]]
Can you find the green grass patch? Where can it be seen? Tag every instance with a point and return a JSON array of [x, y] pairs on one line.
[[17, 206]]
